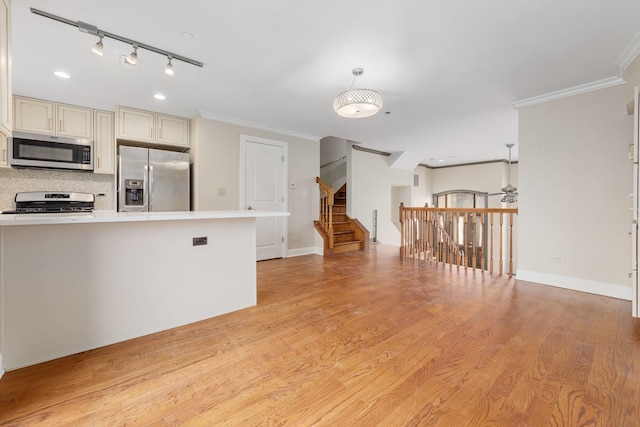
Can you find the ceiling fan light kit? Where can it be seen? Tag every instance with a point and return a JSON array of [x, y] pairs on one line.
[[357, 103], [510, 192]]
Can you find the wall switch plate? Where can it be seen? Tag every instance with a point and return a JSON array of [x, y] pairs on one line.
[[221, 192], [199, 241]]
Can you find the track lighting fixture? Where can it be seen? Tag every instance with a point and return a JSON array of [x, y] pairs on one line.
[[98, 47], [133, 56], [169, 68]]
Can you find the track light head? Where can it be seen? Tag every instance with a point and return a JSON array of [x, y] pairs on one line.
[[132, 59], [169, 68], [98, 48]]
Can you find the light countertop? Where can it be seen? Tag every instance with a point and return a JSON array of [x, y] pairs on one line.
[[111, 216]]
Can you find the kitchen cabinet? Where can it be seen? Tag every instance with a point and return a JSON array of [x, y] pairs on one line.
[[50, 118], [4, 152], [33, 115], [104, 142], [147, 126], [6, 103], [74, 121]]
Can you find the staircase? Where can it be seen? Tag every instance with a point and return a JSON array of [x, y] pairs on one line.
[[340, 232]]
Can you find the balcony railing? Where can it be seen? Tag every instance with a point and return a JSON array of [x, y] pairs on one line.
[[470, 238]]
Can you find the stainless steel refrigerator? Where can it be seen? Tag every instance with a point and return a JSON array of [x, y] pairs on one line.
[[152, 180]]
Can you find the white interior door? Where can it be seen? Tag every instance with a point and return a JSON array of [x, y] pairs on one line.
[[264, 190]]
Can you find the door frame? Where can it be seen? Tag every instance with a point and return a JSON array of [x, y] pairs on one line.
[[248, 139]]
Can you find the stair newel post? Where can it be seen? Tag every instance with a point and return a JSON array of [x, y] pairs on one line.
[[501, 228], [402, 230], [455, 233], [330, 214], [483, 248], [423, 227], [511, 244], [491, 242]]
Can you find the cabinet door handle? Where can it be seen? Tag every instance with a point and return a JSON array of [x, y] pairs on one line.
[[61, 126], [631, 144], [98, 161], [630, 201], [4, 154], [49, 125]]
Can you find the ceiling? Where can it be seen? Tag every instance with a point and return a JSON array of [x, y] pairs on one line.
[[448, 71]]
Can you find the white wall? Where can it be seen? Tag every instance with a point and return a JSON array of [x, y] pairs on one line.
[[369, 186], [574, 179], [485, 177], [215, 153]]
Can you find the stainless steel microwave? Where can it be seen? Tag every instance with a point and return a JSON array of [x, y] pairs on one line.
[[51, 152]]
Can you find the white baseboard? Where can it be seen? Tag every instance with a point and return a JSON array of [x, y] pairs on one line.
[[576, 284], [304, 251]]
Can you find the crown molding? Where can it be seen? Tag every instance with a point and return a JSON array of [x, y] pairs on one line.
[[565, 93], [628, 56], [259, 126]]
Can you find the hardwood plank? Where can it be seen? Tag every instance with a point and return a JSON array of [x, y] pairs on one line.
[[364, 338]]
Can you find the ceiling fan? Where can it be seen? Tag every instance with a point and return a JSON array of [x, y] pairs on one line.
[[509, 192]]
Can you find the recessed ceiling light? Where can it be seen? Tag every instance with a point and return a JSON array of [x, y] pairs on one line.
[[159, 96], [62, 74]]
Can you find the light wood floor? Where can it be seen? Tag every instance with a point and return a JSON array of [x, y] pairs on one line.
[[359, 339]]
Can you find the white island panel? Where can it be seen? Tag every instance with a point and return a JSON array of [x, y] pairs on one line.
[[68, 288]]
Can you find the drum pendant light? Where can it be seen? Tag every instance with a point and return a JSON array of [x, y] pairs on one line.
[[357, 103]]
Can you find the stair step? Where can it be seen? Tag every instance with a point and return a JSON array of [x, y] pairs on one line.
[[350, 246], [343, 236], [341, 226]]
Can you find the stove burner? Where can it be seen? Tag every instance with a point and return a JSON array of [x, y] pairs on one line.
[[53, 202]]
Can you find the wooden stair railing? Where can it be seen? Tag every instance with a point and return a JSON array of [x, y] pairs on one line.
[[326, 209], [339, 232], [456, 236]]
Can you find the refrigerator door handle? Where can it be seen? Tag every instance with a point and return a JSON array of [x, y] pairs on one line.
[[146, 193], [150, 188]]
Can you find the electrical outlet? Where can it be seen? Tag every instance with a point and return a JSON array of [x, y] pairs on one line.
[[199, 241]]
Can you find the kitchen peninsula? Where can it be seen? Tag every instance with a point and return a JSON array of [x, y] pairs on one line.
[[73, 282]]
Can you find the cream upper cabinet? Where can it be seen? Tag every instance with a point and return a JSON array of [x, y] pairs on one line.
[[6, 103], [104, 142], [50, 118], [33, 115], [172, 130], [135, 125], [4, 153], [147, 126], [74, 121]]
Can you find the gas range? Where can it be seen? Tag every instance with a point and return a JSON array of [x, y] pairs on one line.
[[53, 202]]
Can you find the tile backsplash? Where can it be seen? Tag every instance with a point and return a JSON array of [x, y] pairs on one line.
[[13, 181]]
